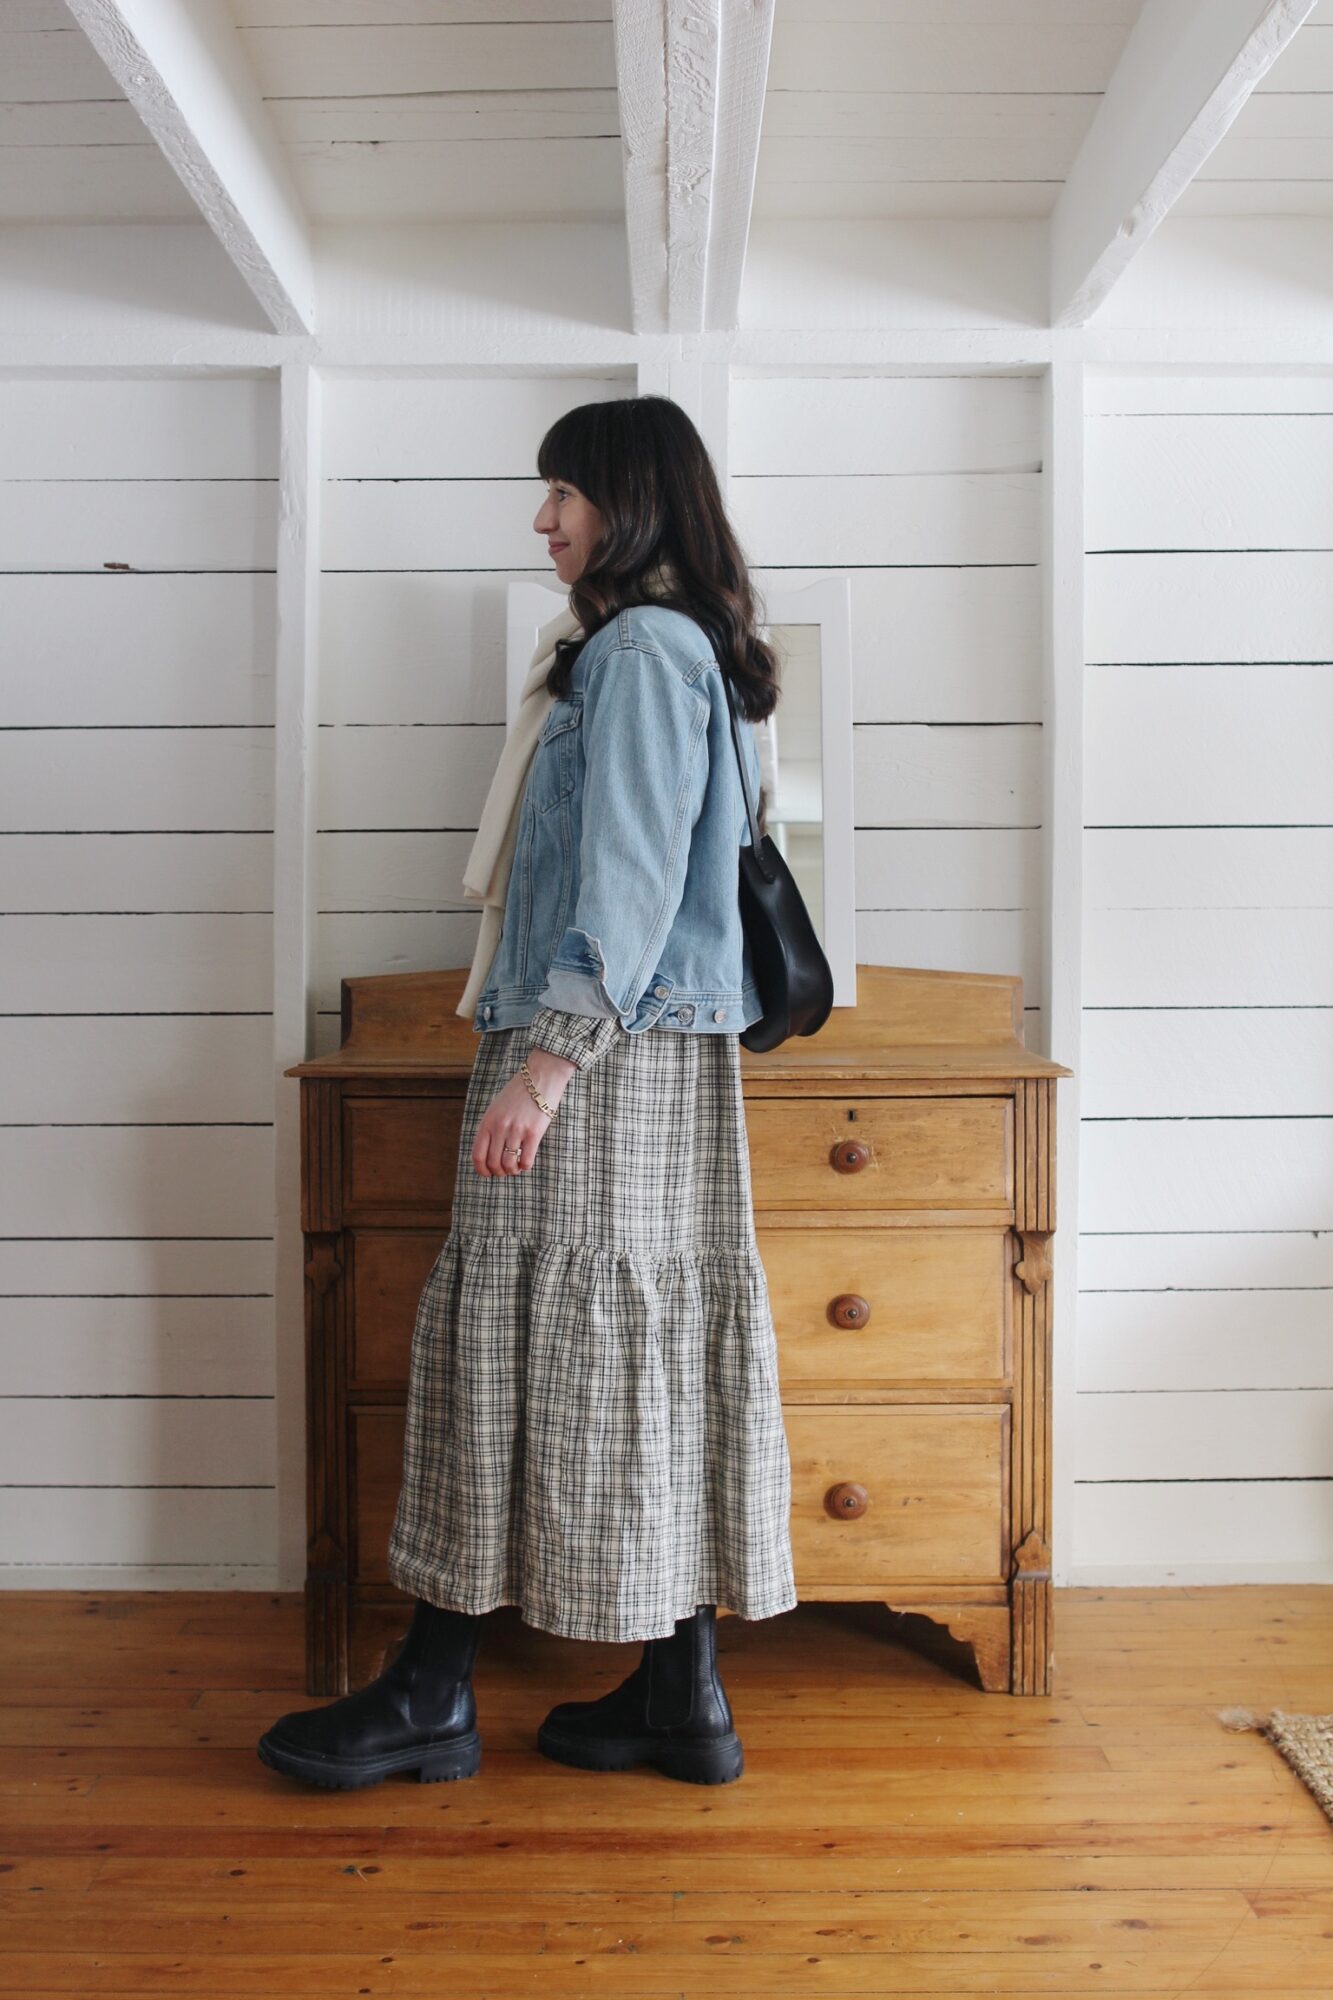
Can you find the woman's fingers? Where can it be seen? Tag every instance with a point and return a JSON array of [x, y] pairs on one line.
[[497, 1137], [511, 1161], [487, 1157]]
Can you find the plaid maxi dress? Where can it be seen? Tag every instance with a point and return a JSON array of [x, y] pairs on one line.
[[594, 1429]]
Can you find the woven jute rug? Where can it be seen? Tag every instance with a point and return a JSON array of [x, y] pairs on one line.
[[1306, 1741]]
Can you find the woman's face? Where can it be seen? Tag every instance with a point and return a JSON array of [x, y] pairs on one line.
[[571, 526]]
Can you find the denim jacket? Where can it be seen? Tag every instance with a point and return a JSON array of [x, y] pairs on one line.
[[622, 910]]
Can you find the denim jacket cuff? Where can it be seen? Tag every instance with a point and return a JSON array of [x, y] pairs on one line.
[[580, 1038], [578, 989]]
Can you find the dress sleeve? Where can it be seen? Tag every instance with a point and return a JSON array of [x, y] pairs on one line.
[[581, 1038]]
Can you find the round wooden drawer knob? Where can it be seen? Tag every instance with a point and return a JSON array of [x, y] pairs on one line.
[[850, 1309], [851, 1155], [846, 1500]]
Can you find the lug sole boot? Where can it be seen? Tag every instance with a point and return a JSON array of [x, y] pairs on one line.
[[419, 1715], [672, 1712]]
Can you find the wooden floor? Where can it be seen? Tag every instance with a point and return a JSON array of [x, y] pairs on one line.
[[896, 1831]]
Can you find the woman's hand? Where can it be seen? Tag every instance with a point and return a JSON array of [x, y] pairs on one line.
[[513, 1118]]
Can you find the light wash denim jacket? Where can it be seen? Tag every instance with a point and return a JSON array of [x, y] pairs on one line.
[[623, 905]]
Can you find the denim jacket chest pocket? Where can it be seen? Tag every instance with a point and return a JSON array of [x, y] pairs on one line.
[[554, 762]]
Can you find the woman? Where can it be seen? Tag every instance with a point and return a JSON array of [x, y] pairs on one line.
[[594, 1427]]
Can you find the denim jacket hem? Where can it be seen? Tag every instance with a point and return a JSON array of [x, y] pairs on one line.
[[694, 1014]]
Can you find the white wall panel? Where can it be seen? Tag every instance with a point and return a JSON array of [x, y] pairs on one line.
[[98, 963], [1211, 745], [1192, 1341], [70, 1346], [1205, 1172], [1247, 957], [190, 1440], [87, 872], [149, 1180], [1205, 1367], [178, 781], [75, 1538], [1187, 1062], [136, 1267], [868, 520], [353, 945], [1216, 607], [135, 756], [1203, 1531], [146, 1067], [430, 490], [152, 649], [137, 525], [1180, 1434], [927, 489]]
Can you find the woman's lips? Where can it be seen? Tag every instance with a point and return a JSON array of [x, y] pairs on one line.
[[555, 547]]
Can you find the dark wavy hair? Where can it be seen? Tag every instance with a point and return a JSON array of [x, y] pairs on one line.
[[644, 466]]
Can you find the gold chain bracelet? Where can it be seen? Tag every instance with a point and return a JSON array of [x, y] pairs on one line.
[[549, 1109]]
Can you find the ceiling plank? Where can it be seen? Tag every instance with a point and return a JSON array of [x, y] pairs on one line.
[[1183, 75], [180, 64], [691, 76]]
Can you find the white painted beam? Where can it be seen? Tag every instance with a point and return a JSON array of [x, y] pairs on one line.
[[747, 35], [180, 64], [640, 37], [691, 76], [693, 95], [1183, 76]]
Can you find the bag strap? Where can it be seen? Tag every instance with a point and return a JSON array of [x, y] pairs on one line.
[[740, 759]]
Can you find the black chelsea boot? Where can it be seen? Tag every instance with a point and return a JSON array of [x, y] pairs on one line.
[[419, 1715], [671, 1712]]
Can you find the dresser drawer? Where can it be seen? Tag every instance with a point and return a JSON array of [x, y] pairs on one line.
[[881, 1152], [389, 1270], [399, 1153], [889, 1307], [933, 1478], [931, 1484], [374, 1476]]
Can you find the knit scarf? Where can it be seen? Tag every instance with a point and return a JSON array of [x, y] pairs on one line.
[[486, 875]]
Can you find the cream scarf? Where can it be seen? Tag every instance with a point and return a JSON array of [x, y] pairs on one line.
[[486, 876]]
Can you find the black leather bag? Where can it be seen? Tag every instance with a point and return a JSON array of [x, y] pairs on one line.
[[793, 976]]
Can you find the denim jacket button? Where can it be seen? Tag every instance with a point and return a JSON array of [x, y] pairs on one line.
[[486, 1012], [661, 991], [719, 1013], [687, 1012]]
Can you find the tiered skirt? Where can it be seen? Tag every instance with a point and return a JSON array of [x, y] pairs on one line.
[[594, 1424]]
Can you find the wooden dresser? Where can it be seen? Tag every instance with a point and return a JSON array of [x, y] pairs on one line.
[[903, 1166]]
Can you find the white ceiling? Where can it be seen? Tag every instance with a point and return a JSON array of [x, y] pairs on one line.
[[74, 149], [873, 108]]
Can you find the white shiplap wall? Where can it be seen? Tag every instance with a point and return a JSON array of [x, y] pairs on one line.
[[137, 1341], [1204, 1398], [430, 489], [137, 603], [927, 489]]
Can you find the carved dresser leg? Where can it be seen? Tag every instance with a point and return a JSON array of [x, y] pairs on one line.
[[1032, 1615]]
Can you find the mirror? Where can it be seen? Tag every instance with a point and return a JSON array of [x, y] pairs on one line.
[[805, 746], [791, 752], [805, 754]]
